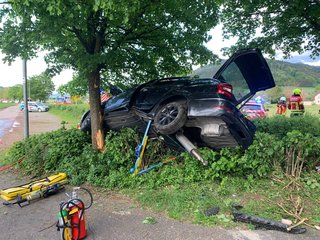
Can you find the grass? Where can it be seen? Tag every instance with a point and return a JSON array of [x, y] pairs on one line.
[[71, 114], [259, 197], [5, 105]]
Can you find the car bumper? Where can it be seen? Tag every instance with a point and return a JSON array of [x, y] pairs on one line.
[[241, 129]]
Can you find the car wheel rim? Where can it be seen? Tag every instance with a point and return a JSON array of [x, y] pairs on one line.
[[168, 115]]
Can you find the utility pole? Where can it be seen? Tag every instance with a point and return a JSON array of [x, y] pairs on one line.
[[25, 97]]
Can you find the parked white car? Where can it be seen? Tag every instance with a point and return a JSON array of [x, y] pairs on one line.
[[35, 107]]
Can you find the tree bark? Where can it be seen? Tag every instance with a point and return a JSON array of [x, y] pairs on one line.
[[97, 134]]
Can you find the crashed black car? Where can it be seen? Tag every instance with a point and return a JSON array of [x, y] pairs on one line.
[[187, 112]]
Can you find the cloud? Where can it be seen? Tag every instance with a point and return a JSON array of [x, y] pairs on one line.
[[313, 63]]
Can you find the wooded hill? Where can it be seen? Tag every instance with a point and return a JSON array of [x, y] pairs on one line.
[[284, 73]]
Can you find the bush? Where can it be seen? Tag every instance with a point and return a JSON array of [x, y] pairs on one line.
[[50, 152], [70, 151], [279, 126], [302, 152]]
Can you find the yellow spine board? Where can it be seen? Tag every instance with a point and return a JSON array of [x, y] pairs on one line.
[[24, 190]]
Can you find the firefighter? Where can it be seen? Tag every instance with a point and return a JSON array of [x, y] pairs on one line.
[[295, 103], [282, 106]]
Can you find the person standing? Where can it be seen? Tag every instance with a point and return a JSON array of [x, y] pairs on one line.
[[282, 106], [295, 103]]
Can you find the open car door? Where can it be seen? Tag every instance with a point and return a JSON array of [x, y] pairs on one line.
[[248, 72]]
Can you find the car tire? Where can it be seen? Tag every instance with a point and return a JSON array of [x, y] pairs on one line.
[[85, 124], [170, 117], [39, 110]]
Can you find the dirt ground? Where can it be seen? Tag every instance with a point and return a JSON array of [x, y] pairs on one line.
[[112, 216]]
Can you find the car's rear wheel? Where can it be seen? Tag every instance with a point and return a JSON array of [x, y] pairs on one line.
[[39, 110], [170, 117]]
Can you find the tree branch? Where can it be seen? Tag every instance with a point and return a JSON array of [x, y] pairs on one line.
[[77, 33]]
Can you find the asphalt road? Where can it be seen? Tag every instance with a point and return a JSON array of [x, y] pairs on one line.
[[113, 216], [7, 119], [12, 124], [116, 217]]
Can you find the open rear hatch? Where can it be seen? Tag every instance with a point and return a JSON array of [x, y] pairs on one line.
[[248, 72]]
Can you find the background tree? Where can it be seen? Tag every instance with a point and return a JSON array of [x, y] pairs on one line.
[[41, 86], [15, 92], [76, 87], [275, 93], [4, 93], [130, 40], [274, 24]]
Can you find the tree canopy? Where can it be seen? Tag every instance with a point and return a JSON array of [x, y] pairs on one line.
[[41, 86], [129, 40], [287, 25], [15, 92], [140, 39]]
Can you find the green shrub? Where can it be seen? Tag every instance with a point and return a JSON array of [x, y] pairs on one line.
[[70, 151], [279, 126], [263, 156], [48, 152], [302, 152], [119, 153]]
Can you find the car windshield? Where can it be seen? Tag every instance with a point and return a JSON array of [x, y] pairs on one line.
[[252, 107]]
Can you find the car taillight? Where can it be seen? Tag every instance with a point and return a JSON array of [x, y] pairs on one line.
[[226, 89]]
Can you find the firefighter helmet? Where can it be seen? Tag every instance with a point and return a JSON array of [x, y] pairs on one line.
[[297, 91]]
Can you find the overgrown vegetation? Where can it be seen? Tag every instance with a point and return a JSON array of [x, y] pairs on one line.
[[275, 177]]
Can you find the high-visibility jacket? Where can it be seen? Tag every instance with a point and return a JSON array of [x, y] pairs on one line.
[[281, 108], [295, 104]]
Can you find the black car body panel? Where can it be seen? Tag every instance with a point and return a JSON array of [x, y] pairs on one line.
[[205, 110]]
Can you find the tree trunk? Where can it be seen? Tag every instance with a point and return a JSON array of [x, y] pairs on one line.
[[97, 135]]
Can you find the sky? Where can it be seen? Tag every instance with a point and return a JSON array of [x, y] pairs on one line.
[[12, 75], [217, 43]]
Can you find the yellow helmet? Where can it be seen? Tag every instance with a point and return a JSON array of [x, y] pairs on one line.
[[297, 91]]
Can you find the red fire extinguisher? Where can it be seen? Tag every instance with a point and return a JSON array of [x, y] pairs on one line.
[[75, 222]]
